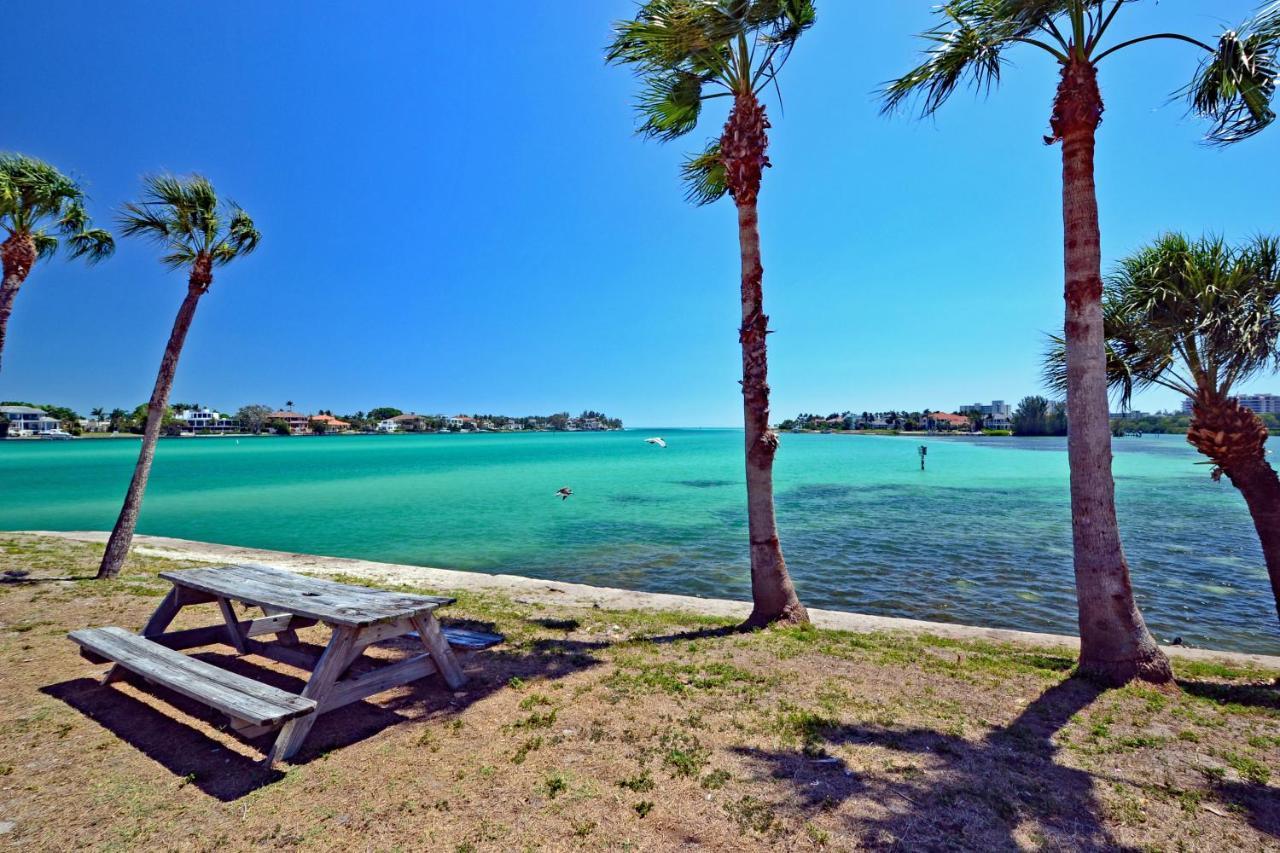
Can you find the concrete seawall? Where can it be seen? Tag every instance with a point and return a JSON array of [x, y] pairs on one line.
[[582, 595]]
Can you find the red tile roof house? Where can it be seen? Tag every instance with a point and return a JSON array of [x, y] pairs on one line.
[[331, 424], [942, 420], [298, 423]]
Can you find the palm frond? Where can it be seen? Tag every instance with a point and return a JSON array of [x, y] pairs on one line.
[[965, 46], [704, 175], [46, 244], [670, 105], [93, 244], [1234, 87], [184, 216], [37, 199]]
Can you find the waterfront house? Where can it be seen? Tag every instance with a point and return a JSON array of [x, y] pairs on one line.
[[26, 420], [298, 423], [329, 424], [206, 420], [946, 421]]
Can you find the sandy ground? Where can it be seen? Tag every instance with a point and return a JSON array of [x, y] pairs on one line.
[[608, 598], [593, 728]]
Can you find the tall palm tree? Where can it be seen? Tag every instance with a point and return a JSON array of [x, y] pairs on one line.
[[196, 233], [687, 52], [969, 45], [1200, 318], [40, 207]]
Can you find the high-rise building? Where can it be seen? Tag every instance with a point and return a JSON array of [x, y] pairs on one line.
[[1262, 404]]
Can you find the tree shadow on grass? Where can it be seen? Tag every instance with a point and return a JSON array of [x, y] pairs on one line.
[[968, 795], [1249, 695], [227, 774]]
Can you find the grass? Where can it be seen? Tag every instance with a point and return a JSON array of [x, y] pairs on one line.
[[594, 729]]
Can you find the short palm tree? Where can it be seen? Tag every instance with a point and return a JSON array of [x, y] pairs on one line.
[[196, 233], [687, 52], [1234, 86], [1200, 318], [39, 208]]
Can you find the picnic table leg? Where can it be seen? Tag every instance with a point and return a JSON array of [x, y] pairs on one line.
[[336, 658], [288, 636], [233, 626], [429, 632], [160, 619]]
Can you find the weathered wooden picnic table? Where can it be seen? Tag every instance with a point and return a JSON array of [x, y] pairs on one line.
[[358, 617]]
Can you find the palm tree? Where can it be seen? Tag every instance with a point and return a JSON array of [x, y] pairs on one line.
[[1201, 318], [1115, 645], [196, 233], [687, 52], [39, 205]]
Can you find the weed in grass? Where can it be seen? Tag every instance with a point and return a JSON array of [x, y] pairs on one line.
[[643, 808], [818, 836], [515, 682], [683, 754], [583, 828], [537, 720], [1188, 736], [639, 783], [715, 780], [531, 745], [752, 814], [1254, 771], [805, 727], [555, 785], [532, 700]]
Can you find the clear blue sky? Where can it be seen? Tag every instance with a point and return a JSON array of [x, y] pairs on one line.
[[458, 217]]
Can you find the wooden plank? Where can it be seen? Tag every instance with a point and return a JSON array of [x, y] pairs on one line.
[[232, 694], [295, 656], [376, 681], [334, 660], [288, 636], [210, 635], [233, 625], [429, 633], [327, 601]]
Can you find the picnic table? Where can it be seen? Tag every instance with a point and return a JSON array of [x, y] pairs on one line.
[[358, 616]]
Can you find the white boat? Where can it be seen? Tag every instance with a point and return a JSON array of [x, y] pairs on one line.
[[57, 435]]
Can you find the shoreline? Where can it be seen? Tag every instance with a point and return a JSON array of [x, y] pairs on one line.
[[567, 594]]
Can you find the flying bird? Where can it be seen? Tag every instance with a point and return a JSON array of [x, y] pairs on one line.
[[657, 440], [565, 493]]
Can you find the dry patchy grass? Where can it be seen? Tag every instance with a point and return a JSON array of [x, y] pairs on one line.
[[631, 731]]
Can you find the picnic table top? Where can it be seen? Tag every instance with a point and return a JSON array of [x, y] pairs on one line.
[[327, 601]]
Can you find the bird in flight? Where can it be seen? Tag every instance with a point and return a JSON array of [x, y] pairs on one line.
[[656, 440], [565, 493]]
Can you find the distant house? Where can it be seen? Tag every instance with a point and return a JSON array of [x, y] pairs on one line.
[[26, 420], [206, 420], [330, 424], [408, 422], [298, 423], [946, 421]]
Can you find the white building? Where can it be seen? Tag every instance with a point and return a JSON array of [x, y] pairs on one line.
[[26, 420], [205, 420], [1260, 404], [996, 414]]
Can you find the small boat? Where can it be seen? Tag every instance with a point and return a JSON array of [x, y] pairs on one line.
[[57, 435]]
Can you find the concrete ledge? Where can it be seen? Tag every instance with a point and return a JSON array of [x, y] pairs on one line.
[[583, 595]]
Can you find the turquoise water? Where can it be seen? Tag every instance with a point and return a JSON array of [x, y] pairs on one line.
[[982, 537]]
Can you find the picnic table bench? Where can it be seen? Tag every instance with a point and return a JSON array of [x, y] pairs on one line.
[[358, 617]]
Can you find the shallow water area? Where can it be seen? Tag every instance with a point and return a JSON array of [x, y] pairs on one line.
[[981, 537]]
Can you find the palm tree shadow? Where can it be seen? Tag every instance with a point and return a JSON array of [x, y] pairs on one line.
[[228, 774], [974, 796]]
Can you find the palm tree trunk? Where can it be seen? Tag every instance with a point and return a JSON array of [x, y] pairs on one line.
[[1257, 481], [17, 255], [743, 148], [1235, 439], [122, 534], [1115, 646]]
